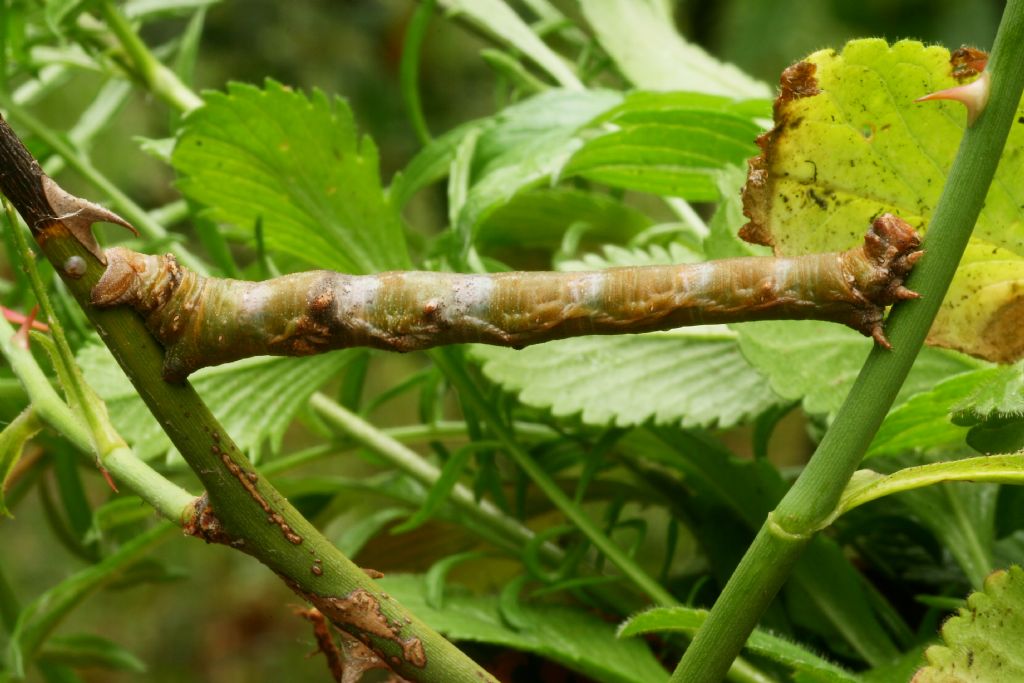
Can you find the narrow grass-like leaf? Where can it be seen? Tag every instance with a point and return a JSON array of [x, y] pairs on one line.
[[640, 36], [38, 619], [982, 642], [868, 485], [297, 164], [571, 637], [450, 474], [12, 443], [84, 650], [810, 666], [499, 20]]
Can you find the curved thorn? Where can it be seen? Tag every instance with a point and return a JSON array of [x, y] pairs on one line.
[[902, 292], [879, 336], [973, 95]]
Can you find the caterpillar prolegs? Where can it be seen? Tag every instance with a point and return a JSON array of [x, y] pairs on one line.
[[208, 321]]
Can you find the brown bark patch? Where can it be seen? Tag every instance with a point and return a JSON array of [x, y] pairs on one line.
[[249, 483], [361, 610], [203, 523]]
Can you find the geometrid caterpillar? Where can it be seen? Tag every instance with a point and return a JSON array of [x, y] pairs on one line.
[[208, 321]]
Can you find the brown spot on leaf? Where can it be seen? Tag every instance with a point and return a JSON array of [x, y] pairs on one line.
[[797, 81], [967, 62]]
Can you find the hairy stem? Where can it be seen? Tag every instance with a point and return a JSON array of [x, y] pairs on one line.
[[207, 321], [816, 493]]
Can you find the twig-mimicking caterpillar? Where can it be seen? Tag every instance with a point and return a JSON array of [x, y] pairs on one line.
[[208, 321]]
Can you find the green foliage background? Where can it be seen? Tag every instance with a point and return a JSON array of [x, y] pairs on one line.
[[352, 49]]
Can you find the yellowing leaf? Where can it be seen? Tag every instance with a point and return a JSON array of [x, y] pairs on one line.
[[850, 143]]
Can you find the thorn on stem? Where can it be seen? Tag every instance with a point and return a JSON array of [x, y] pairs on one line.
[[106, 476], [20, 337], [879, 336], [973, 95], [20, 318]]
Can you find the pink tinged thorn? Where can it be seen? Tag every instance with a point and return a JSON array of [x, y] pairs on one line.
[[20, 337], [20, 318], [973, 95], [109, 479]]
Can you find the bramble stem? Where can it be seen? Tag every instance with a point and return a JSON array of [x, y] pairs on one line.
[[816, 493], [241, 508]]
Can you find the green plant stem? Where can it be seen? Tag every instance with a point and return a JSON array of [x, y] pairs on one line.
[[816, 493], [422, 471], [156, 77], [241, 509], [166, 497], [470, 393], [409, 70], [739, 670]]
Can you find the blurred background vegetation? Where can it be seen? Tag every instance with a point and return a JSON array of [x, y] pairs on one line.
[[352, 48]]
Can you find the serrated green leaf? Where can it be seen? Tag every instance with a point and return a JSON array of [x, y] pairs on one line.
[[297, 164], [537, 219], [994, 411], [786, 653], [528, 144], [691, 377], [1001, 397], [563, 634], [87, 650], [925, 422], [497, 18], [255, 399], [38, 619], [817, 362], [850, 143], [982, 642], [667, 143], [640, 36]]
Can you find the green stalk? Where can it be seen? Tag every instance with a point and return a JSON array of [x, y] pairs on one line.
[[739, 670], [470, 393], [96, 436], [156, 77], [816, 493], [241, 508], [507, 529]]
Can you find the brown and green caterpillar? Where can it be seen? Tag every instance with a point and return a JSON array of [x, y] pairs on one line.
[[208, 321]]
